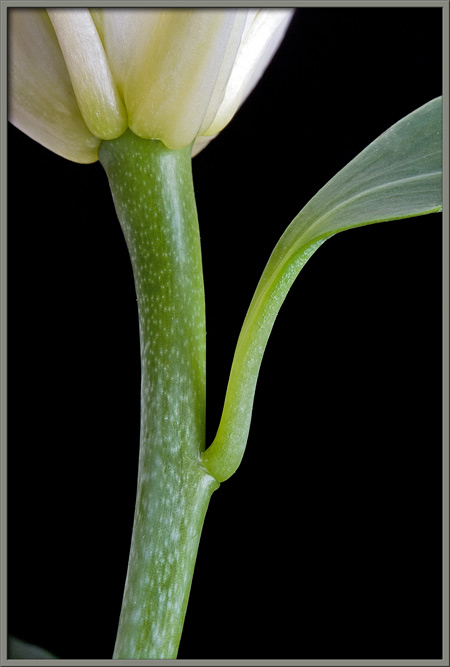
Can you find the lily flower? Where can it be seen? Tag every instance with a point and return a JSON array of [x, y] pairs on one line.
[[80, 76]]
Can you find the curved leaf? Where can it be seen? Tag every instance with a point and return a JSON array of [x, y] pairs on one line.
[[21, 650], [399, 175]]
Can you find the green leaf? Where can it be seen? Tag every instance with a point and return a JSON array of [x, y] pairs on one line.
[[399, 175], [21, 650]]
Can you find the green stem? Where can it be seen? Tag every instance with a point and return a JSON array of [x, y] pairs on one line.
[[153, 194]]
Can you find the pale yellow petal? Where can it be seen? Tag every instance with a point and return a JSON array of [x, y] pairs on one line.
[[261, 40], [126, 34], [42, 102], [200, 143], [95, 89], [98, 18], [226, 68], [173, 72]]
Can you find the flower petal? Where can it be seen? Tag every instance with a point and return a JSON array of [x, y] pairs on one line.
[[234, 42], [167, 63], [200, 143], [124, 33], [41, 99], [96, 92], [260, 41]]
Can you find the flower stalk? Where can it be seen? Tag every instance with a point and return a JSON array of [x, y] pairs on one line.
[[154, 199]]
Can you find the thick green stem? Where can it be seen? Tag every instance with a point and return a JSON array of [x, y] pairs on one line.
[[153, 194]]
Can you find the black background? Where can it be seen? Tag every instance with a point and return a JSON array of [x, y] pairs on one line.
[[327, 541]]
